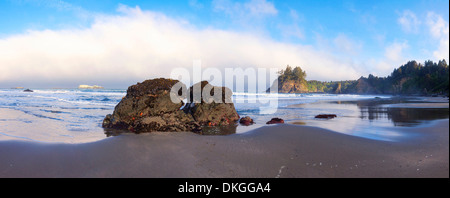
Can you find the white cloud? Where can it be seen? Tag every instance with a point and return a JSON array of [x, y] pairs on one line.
[[439, 30], [443, 50], [138, 45], [394, 57], [346, 45], [394, 52], [291, 31], [438, 26], [409, 22]]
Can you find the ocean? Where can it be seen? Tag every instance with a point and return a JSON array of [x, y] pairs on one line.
[[76, 115]]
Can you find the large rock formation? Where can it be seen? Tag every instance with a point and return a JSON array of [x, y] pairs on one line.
[[214, 110], [148, 107], [289, 86]]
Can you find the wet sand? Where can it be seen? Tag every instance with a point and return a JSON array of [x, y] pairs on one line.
[[418, 105], [422, 102], [18, 125], [271, 151]]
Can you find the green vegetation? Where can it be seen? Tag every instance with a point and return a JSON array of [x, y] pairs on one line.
[[296, 74], [411, 78], [414, 77]]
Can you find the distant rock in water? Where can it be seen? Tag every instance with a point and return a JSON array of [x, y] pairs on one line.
[[148, 107], [326, 116], [246, 121], [90, 87], [275, 121], [28, 90]]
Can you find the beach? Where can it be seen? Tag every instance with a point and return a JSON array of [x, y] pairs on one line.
[[370, 137], [225, 89], [276, 151]]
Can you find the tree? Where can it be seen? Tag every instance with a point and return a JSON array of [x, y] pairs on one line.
[[299, 74], [442, 63], [411, 78], [288, 71]]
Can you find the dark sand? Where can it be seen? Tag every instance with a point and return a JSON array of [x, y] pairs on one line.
[[271, 151]]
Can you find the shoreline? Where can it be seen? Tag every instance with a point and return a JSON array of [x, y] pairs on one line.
[[268, 152]]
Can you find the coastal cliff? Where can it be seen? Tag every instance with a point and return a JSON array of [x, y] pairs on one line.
[[412, 78], [290, 86]]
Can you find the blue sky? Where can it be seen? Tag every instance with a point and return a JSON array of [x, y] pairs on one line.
[[81, 41]]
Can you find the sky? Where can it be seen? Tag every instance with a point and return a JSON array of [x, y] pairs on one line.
[[62, 43]]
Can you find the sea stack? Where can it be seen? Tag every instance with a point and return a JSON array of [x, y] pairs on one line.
[[148, 107]]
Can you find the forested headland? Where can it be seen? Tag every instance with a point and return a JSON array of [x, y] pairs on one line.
[[412, 78]]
